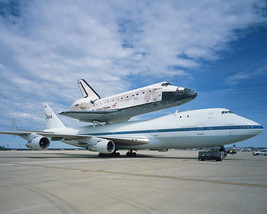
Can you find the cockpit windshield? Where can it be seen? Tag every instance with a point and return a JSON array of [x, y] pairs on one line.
[[166, 84], [227, 112]]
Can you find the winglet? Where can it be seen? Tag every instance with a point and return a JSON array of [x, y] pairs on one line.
[[87, 90], [52, 121]]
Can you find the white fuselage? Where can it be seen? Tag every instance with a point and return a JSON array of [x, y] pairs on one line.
[[190, 129]]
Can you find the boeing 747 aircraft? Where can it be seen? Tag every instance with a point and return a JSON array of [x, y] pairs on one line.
[[121, 107], [189, 129]]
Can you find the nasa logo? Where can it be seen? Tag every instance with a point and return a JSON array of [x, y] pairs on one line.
[[47, 117]]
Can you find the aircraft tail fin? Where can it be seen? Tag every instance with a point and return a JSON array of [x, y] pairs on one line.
[[52, 121], [87, 90]]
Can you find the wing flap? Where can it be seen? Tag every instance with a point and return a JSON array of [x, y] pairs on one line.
[[65, 136], [129, 140]]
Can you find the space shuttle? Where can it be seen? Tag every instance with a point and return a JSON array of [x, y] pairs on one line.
[[121, 107]]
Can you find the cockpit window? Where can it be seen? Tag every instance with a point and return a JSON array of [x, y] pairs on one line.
[[227, 112], [166, 84]]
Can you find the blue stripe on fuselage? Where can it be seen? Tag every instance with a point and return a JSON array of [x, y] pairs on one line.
[[179, 130]]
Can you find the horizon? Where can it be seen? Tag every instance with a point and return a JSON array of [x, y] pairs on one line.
[[217, 48]]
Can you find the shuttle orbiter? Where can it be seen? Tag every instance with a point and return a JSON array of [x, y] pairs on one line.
[[121, 107]]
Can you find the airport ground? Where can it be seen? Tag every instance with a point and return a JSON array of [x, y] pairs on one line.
[[153, 182]]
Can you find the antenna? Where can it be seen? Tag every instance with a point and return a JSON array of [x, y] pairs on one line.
[[14, 125], [177, 111]]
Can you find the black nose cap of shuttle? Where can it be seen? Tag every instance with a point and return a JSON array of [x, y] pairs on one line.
[[189, 93]]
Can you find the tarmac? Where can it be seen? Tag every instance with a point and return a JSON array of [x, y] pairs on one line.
[[153, 182]]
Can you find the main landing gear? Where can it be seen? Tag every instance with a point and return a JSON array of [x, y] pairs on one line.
[[114, 154], [131, 154], [117, 154]]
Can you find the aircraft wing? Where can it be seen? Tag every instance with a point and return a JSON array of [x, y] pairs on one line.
[[110, 115], [46, 134], [16, 133], [117, 140], [137, 140]]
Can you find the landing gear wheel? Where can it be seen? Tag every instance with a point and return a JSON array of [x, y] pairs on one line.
[[131, 154], [114, 154]]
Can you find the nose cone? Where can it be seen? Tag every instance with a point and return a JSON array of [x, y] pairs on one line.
[[248, 128], [189, 93], [257, 128]]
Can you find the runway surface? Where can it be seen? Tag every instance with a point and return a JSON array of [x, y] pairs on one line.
[[153, 182]]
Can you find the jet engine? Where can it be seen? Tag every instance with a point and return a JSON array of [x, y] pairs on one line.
[[38, 143], [103, 146]]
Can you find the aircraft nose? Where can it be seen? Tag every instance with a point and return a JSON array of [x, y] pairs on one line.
[[257, 128], [190, 93], [251, 128]]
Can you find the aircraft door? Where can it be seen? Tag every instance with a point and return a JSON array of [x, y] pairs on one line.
[[210, 115], [230, 131], [156, 95], [200, 129], [155, 132]]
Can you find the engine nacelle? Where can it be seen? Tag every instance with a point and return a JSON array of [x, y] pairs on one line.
[[38, 143], [103, 146]]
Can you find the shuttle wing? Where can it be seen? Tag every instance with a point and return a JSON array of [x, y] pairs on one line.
[[110, 115]]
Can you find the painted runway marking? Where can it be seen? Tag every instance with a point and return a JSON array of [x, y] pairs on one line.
[[140, 175]]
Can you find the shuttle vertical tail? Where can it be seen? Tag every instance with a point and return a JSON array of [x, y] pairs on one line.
[[87, 91], [52, 121]]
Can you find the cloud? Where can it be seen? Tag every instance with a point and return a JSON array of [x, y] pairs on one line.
[[46, 46], [259, 69]]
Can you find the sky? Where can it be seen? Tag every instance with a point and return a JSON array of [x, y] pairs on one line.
[[216, 47]]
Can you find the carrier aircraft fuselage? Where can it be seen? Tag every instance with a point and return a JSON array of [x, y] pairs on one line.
[[189, 129]]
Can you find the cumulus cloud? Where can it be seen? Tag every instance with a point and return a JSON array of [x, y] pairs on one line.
[[46, 46]]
